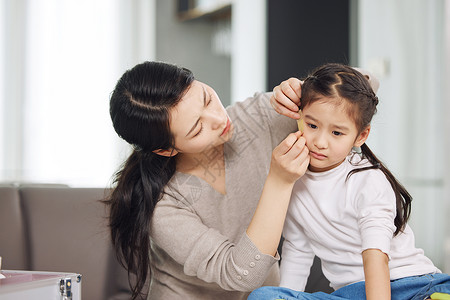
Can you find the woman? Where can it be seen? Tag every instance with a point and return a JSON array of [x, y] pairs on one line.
[[190, 210]]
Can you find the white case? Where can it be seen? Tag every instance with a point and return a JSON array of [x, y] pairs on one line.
[[39, 285]]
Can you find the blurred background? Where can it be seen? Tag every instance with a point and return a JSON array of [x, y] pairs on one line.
[[60, 60]]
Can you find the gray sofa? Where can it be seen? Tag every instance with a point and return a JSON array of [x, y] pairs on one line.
[[64, 229]]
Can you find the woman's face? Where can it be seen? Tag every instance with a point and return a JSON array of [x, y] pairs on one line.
[[199, 121]]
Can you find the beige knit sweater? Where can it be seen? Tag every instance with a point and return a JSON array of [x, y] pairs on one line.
[[199, 246]]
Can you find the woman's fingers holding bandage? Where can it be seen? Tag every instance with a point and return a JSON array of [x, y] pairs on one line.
[[290, 158], [286, 98]]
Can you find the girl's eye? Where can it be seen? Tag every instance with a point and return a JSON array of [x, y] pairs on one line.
[[337, 133], [201, 128], [312, 126]]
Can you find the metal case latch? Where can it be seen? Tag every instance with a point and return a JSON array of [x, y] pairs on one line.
[[65, 288]]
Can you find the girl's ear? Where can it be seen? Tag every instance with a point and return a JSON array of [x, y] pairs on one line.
[[168, 153], [362, 138]]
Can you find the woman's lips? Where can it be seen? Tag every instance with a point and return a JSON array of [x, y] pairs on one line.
[[227, 127], [317, 155]]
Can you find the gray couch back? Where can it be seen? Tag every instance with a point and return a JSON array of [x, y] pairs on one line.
[[62, 229]]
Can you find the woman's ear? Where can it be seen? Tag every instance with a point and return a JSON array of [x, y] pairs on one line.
[[362, 137], [168, 153]]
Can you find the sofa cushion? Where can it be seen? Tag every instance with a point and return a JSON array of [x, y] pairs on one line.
[[12, 234], [68, 232]]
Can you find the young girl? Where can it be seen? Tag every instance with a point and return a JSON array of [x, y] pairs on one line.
[[349, 209]]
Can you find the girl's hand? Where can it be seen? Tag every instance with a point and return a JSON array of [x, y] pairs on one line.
[[286, 98], [290, 159]]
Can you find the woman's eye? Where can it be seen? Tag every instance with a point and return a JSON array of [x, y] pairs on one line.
[[337, 133], [312, 126], [201, 128]]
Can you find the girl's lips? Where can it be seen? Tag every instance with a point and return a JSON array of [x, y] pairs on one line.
[[317, 155], [227, 127]]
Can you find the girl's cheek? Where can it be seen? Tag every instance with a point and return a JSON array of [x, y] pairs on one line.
[[307, 143], [307, 137]]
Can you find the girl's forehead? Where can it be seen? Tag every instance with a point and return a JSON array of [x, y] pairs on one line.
[[338, 102], [338, 105]]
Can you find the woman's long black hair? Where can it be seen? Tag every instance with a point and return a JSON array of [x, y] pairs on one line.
[[139, 108], [343, 82]]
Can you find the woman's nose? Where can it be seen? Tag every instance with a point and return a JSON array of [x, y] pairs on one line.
[[216, 119]]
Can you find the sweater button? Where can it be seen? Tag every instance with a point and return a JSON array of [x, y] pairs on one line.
[[245, 272], [252, 264], [239, 277], [257, 257]]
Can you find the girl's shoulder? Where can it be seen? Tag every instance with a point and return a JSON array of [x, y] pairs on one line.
[[362, 173], [370, 188]]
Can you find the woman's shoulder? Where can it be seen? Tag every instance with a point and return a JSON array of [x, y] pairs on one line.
[[252, 107], [259, 98], [257, 118]]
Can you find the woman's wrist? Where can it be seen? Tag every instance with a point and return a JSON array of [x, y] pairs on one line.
[[267, 222], [281, 180]]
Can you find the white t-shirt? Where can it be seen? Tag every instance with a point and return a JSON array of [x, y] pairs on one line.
[[337, 219]]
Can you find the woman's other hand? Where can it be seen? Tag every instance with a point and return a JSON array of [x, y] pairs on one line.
[[290, 159], [286, 98]]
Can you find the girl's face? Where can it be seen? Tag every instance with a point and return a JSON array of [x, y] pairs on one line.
[[330, 133], [199, 121]]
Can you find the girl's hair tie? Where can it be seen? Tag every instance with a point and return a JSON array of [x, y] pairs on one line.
[[375, 99], [370, 95]]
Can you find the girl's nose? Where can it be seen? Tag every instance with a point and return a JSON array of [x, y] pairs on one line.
[[320, 141]]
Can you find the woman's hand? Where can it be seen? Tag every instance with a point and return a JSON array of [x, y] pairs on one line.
[[290, 159], [286, 98]]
